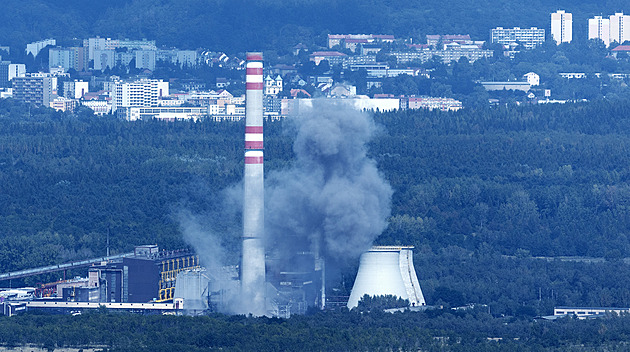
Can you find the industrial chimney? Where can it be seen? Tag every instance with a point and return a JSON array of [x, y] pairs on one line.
[[253, 256], [387, 270]]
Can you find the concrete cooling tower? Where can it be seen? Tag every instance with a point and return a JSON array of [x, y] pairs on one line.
[[387, 270]]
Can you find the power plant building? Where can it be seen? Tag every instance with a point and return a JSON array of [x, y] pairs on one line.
[[387, 270]]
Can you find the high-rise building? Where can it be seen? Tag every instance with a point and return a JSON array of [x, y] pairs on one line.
[[528, 37], [75, 58], [17, 70], [145, 59], [35, 90], [562, 26], [619, 28], [75, 89], [140, 93], [35, 47], [4, 73], [599, 28]]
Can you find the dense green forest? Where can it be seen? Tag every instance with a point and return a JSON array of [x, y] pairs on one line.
[[492, 198], [240, 25], [436, 330]]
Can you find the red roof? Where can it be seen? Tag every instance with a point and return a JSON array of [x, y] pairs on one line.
[[622, 48]]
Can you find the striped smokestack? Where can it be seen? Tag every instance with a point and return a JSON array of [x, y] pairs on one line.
[[253, 260]]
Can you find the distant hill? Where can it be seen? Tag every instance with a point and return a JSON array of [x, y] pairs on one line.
[[238, 25]]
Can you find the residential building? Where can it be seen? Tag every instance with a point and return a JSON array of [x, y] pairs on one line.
[[451, 52], [621, 49], [166, 113], [528, 37], [408, 56], [599, 28], [63, 104], [433, 103], [562, 26], [339, 39], [435, 39], [573, 75], [17, 70], [333, 57], [35, 90], [99, 102], [590, 312], [619, 28], [455, 51], [35, 47], [75, 89], [516, 85], [69, 58], [358, 60], [94, 44], [104, 59], [532, 78], [180, 57], [145, 59], [4, 74], [140, 93], [272, 106]]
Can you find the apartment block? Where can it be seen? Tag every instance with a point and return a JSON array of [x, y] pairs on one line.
[[528, 37], [35, 90], [599, 28], [562, 27]]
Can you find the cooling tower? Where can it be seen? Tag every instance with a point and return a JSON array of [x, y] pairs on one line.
[[253, 256], [387, 270]]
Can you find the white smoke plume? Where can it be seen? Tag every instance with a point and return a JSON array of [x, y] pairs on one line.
[[332, 198], [215, 236]]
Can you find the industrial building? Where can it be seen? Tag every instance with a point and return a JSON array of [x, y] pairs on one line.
[[387, 270]]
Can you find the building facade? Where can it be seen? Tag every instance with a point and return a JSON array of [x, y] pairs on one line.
[[528, 37], [599, 28], [562, 26], [619, 28], [34, 90], [138, 94], [35, 47]]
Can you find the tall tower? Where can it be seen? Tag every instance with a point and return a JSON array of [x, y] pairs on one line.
[[619, 28], [562, 27], [599, 28], [253, 259]]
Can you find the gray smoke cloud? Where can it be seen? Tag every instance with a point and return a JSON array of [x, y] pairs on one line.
[[215, 236], [332, 197]]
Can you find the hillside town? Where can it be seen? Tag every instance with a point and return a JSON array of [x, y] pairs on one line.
[[130, 77]]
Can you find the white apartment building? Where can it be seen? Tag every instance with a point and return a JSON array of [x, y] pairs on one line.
[[530, 38], [75, 89], [599, 28], [17, 70], [35, 47], [98, 43], [562, 26], [137, 94], [619, 28], [145, 59]]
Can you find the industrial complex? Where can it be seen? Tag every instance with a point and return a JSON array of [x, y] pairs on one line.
[[150, 280]]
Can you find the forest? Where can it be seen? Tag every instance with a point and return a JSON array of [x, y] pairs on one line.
[[237, 26], [516, 209], [435, 330], [504, 205]]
